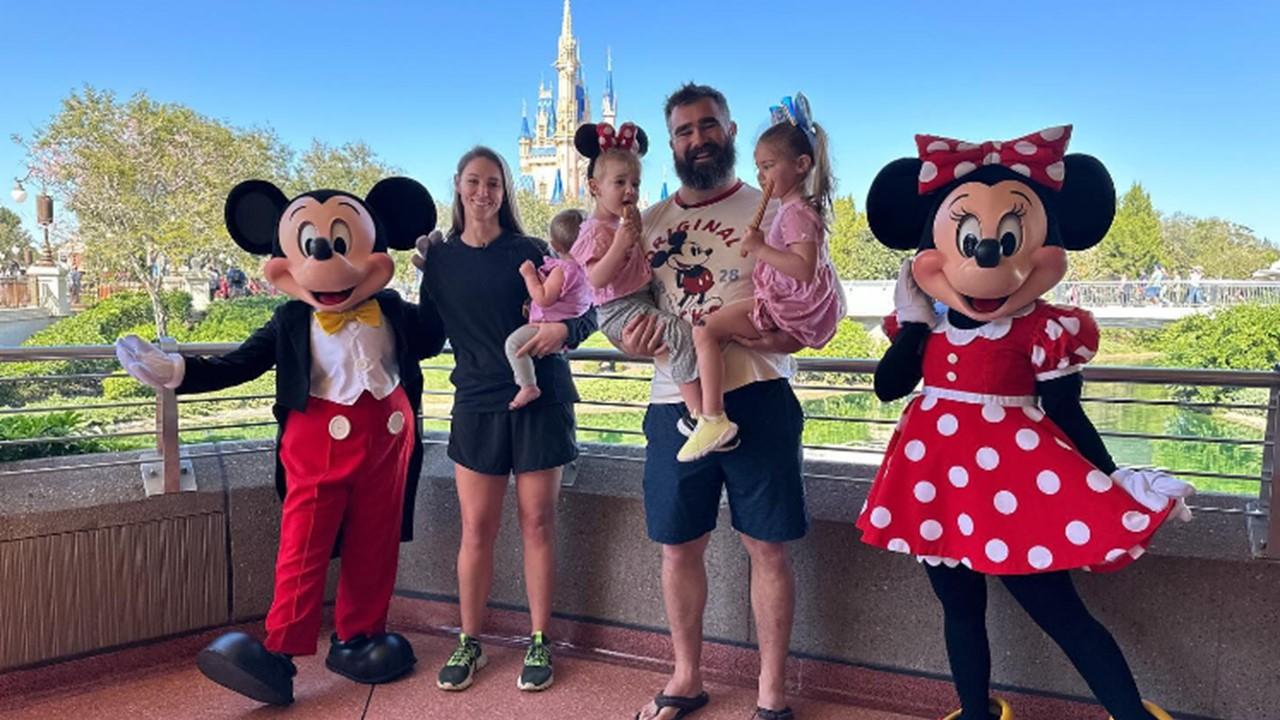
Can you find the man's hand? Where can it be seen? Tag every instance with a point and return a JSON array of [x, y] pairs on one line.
[[774, 341], [548, 341], [642, 337]]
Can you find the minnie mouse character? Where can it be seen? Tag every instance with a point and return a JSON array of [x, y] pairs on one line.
[[348, 387], [995, 469]]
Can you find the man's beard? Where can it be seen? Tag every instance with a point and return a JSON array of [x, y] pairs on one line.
[[708, 174]]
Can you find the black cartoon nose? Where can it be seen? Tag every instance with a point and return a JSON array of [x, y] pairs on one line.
[[987, 253], [321, 250]]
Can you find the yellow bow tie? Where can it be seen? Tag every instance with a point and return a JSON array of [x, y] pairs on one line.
[[366, 312]]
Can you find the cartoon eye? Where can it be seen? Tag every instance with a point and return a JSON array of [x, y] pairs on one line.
[[307, 238], [340, 236], [968, 232], [1010, 234]]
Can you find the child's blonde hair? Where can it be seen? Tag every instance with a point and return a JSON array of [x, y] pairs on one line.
[[819, 184], [564, 229]]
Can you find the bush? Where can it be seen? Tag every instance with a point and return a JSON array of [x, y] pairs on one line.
[[851, 341], [1242, 337], [56, 424], [235, 320]]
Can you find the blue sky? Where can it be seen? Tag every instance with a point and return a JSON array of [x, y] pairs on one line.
[[1184, 99]]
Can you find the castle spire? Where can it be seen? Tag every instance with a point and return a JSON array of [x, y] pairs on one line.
[[566, 24]]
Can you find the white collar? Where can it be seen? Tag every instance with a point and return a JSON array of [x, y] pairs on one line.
[[993, 330]]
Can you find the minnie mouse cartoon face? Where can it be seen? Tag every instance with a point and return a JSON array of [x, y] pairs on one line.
[[991, 222], [688, 259], [328, 248]]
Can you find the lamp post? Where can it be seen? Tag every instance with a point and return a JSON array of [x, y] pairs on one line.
[[44, 214]]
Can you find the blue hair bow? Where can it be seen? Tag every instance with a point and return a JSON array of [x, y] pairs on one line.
[[796, 112]]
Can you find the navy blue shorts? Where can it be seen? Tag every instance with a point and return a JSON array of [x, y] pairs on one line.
[[762, 475]]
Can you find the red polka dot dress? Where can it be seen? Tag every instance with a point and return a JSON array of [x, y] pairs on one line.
[[977, 475]]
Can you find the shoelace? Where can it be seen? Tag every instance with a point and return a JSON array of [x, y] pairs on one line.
[[538, 655], [464, 654]]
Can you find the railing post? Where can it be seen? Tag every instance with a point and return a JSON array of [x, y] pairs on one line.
[[166, 472], [1265, 531]]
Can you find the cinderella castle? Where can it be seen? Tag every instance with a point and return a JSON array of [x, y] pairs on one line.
[[549, 164]]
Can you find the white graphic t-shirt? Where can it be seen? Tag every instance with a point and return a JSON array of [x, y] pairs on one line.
[[699, 268]]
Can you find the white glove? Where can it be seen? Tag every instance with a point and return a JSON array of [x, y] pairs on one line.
[[1154, 489], [909, 301], [148, 364]]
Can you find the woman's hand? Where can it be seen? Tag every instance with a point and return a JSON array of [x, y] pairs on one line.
[[549, 340]]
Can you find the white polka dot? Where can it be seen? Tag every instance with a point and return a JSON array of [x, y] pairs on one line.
[[1137, 552], [1053, 329], [947, 424], [1037, 355], [1098, 481], [928, 402], [1085, 353], [1056, 171], [997, 551], [339, 427], [950, 562], [1062, 443], [937, 146], [992, 413], [1115, 554], [1021, 169], [881, 517], [930, 530], [925, 491], [1039, 557], [928, 171], [1006, 502], [1071, 324], [1048, 482], [988, 458], [1024, 148], [914, 450], [1135, 521], [932, 560], [1078, 533], [951, 376], [966, 562], [997, 144], [965, 146], [864, 508], [958, 476], [1063, 364], [965, 523], [1027, 439], [1053, 133], [953, 358], [1034, 414], [395, 423], [965, 168], [992, 158], [899, 545]]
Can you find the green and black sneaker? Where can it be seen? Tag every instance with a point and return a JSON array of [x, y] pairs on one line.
[[464, 663], [536, 674]]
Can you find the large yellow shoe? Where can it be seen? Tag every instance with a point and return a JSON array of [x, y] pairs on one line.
[[998, 707], [711, 434], [1155, 710]]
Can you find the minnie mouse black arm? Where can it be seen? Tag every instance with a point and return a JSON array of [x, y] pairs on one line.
[[902, 366], [1060, 399]]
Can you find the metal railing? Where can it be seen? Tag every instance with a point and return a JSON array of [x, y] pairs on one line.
[[858, 438]]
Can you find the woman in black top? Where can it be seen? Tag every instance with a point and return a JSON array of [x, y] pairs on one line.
[[472, 280]]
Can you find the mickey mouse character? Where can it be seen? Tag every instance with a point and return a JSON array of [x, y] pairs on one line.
[[995, 469], [348, 388], [689, 260]]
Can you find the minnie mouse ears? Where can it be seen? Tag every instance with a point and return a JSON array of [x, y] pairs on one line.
[[1080, 212], [594, 138]]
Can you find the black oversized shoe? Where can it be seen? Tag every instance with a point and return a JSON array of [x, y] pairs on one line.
[[371, 660], [240, 663]]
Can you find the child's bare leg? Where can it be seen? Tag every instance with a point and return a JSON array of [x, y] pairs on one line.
[[691, 393], [708, 339]]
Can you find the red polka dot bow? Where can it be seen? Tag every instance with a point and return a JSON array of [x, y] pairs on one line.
[[623, 139], [1037, 156]]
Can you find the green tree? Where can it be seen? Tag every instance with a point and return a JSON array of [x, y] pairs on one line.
[[146, 181], [353, 167], [1222, 248], [855, 252], [1134, 243], [14, 239], [536, 213]]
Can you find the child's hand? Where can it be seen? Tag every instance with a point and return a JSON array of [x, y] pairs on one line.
[[527, 268], [752, 241], [629, 227]]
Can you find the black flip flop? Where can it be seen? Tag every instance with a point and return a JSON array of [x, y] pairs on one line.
[[685, 706], [767, 714]]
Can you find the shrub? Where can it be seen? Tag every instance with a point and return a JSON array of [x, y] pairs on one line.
[[55, 424]]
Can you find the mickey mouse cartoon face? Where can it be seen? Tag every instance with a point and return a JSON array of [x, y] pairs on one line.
[[328, 248], [991, 223]]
